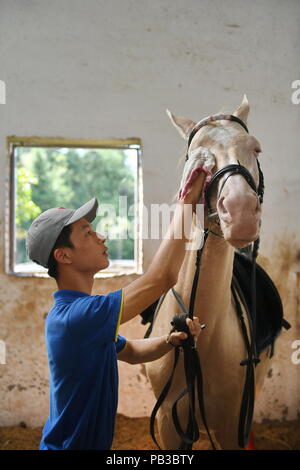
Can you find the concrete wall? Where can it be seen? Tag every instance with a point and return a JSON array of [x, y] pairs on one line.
[[99, 69]]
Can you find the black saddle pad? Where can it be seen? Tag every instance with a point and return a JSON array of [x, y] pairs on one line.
[[269, 310]]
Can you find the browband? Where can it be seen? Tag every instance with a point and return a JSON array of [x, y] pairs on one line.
[[217, 117]]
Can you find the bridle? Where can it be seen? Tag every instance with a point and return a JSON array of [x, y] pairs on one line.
[[232, 169], [192, 364]]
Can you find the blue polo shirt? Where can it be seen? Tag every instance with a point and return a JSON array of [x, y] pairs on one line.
[[82, 343]]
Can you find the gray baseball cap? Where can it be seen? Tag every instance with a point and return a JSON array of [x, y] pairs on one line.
[[46, 228]]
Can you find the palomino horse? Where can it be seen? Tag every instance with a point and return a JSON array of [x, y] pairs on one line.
[[221, 346]]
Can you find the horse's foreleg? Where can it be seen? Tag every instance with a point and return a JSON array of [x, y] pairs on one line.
[[168, 435], [170, 439]]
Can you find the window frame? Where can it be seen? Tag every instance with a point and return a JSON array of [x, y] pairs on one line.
[[10, 196]]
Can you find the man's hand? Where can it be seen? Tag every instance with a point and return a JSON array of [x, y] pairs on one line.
[[194, 327], [200, 159], [147, 350]]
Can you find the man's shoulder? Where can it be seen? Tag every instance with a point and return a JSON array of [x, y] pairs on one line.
[[101, 300], [89, 307]]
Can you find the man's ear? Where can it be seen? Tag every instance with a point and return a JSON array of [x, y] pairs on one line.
[[61, 255]]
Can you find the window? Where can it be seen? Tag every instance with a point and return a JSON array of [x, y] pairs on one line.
[[46, 173]]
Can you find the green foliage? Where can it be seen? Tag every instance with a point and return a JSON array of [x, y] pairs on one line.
[[26, 209], [54, 177]]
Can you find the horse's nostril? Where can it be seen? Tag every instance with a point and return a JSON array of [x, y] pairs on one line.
[[221, 206], [232, 204], [257, 209], [223, 209], [254, 203]]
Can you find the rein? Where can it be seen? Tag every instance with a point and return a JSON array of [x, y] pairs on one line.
[[192, 364]]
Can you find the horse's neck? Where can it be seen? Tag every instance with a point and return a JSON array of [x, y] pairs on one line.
[[214, 282]]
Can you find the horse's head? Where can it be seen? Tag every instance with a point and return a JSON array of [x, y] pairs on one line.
[[235, 199]]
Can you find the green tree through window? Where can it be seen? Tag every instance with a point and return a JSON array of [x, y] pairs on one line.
[[69, 177]]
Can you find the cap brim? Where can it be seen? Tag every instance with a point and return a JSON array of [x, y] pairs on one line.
[[88, 211]]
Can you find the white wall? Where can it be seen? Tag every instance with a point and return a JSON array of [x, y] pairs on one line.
[[97, 69]]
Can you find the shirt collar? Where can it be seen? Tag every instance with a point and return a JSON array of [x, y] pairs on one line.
[[68, 295]]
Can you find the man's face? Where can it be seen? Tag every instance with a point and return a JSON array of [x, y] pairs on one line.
[[89, 254]]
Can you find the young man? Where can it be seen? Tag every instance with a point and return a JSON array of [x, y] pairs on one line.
[[81, 329]]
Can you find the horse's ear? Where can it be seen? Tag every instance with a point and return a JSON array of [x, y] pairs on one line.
[[242, 111], [183, 125]]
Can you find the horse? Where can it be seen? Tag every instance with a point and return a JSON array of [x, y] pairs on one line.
[[221, 346]]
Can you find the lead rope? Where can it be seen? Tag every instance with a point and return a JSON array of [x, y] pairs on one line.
[[193, 372]]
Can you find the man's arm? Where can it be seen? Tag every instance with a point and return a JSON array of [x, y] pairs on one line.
[[163, 271], [146, 350]]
